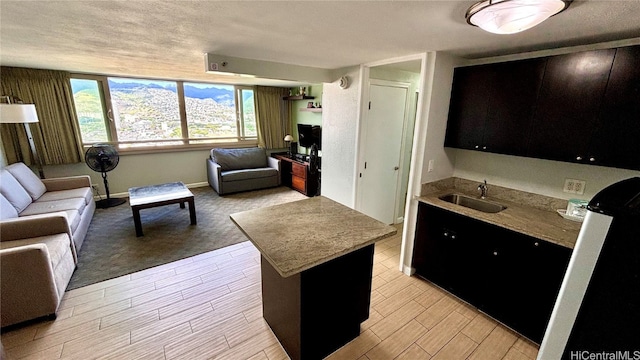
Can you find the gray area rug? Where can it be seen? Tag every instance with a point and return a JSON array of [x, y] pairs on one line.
[[111, 248]]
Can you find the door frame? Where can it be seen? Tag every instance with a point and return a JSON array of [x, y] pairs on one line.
[[427, 66], [399, 197]]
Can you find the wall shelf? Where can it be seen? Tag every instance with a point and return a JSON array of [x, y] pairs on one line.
[[298, 97], [315, 110]]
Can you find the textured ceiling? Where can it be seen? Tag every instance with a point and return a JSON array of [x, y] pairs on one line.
[[167, 39]]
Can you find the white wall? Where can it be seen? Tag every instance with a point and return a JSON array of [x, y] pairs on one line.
[[428, 141], [544, 177], [143, 169], [340, 113], [436, 121]]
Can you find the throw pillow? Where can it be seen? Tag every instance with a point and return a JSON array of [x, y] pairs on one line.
[[13, 191], [29, 181], [7, 211]]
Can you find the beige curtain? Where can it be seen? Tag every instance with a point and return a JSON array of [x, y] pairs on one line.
[[273, 116], [56, 135]]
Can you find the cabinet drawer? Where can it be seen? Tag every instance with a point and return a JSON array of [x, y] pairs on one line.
[[299, 170], [298, 183]]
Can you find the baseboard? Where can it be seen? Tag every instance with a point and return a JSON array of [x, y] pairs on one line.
[[126, 194]]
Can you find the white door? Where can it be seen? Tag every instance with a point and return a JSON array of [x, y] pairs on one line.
[[382, 143]]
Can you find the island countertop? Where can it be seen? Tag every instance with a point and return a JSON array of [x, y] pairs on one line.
[[299, 235]]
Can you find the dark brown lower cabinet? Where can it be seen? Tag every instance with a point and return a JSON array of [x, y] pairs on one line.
[[317, 311], [511, 277]]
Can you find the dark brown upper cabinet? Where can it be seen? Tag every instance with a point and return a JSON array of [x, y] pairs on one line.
[[492, 106], [582, 107], [469, 106], [512, 106], [616, 141], [569, 104]]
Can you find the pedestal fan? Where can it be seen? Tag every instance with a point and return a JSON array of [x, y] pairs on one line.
[[104, 158]]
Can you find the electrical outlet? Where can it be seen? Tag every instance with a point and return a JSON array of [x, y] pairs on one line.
[[430, 166], [573, 186], [568, 186], [578, 186]]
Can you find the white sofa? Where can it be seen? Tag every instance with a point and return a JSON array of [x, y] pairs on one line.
[[43, 224]]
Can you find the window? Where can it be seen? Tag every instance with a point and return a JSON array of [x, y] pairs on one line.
[[90, 110], [145, 110], [146, 113], [247, 111], [211, 111]]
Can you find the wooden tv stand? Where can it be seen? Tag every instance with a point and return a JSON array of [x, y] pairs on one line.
[[296, 175]]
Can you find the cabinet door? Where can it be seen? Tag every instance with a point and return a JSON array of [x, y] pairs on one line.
[[468, 108], [542, 277], [502, 285], [568, 106], [512, 105], [298, 183], [523, 279], [616, 143], [299, 170], [444, 252]]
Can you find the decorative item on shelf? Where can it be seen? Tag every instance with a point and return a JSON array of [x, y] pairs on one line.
[[318, 105], [512, 16], [288, 138], [310, 105], [13, 111], [303, 90]]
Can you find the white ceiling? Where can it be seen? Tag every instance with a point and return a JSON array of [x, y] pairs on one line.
[[167, 39]]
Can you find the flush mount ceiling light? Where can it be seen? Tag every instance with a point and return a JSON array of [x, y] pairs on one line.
[[512, 16]]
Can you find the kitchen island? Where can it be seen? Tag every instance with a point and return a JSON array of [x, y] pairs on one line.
[[317, 263]]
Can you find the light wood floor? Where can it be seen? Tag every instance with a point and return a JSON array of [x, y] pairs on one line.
[[209, 306]]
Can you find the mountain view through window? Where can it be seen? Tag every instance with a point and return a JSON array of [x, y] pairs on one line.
[[147, 112]]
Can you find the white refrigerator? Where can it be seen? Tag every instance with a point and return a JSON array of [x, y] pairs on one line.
[[597, 312]]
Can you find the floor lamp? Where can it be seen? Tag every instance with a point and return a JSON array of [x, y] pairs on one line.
[[22, 114]]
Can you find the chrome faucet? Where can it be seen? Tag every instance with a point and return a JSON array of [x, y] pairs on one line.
[[483, 189]]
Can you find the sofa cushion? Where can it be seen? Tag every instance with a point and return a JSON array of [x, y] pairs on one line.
[[58, 245], [29, 181], [73, 217], [44, 207], [237, 175], [84, 193], [236, 159], [7, 211], [13, 191]]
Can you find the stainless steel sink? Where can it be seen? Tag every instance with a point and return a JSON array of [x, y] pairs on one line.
[[473, 203]]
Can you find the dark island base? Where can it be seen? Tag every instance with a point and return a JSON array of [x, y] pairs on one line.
[[319, 310]]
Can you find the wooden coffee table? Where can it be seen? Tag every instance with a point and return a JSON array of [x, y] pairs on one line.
[[145, 197]]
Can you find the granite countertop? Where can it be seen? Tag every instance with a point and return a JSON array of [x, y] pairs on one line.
[[299, 235], [518, 216]]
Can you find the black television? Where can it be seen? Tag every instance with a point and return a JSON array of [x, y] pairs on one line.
[[309, 135]]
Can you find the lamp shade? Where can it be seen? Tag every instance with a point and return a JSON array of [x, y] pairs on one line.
[[512, 16], [288, 138], [18, 113]]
